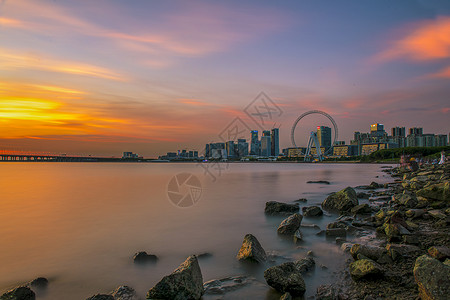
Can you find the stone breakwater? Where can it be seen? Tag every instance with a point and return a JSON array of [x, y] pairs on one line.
[[396, 236]]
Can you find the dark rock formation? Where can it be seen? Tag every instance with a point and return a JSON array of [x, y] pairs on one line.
[[343, 200], [432, 277], [290, 225], [124, 293], [312, 211], [142, 257], [101, 297], [251, 250], [20, 293], [279, 208], [365, 268], [285, 278], [186, 282]]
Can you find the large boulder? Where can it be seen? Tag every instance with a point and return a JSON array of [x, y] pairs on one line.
[[143, 257], [251, 250], [365, 268], [20, 293], [439, 252], [186, 282], [372, 252], [432, 277], [440, 191], [361, 209], [290, 225], [312, 211], [343, 200], [305, 264], [279, 208], [286, 278]]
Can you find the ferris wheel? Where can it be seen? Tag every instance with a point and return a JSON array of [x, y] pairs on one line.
[[313, 135]]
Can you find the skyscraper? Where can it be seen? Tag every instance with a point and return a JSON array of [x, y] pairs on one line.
[[266, 145], [377, 130], [254, 143], [398, 132], [324, 136], [275, 142]]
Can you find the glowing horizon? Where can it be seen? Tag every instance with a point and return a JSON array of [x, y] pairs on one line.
[[108, 77]]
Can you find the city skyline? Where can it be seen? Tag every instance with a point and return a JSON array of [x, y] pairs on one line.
[[107, 77]]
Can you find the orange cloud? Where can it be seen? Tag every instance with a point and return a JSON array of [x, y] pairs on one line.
[[194, 102], [12, 60], [444, 73], [427, 41]]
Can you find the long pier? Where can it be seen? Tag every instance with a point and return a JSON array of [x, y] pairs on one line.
[[4, 157]]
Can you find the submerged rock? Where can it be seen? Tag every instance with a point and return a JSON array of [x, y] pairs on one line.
[[312, 211], [336, 232], [290, 225], [20, 293], [343, 200], [279, 208], [101, 297], [285, 278], [227, 284], [432, 277], [251, 250], [361, 209], [439, 252], [318, 181], [143, 257], [186, 282], [365, 268], [305, 264], [40, 283]]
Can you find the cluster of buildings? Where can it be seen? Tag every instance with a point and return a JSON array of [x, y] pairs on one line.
[[267, 146]]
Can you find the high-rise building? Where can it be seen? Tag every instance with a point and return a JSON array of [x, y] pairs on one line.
[[324, 136], [255, 144], [398, 132], [275, 142], [416, 131], [266, 145], [266, 133], [377, 130], [230, 149], [242, 147]]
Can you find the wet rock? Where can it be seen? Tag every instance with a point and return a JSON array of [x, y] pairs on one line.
[[398, 251], [346, 247], [143, 257], [305, 264], [20, 293], [365, 268], [301, 200], [440, 191], [362, 195], [285, 278], [290, 225], [392, 231], [343, 200], [312, 211], [124, 293], [298, 237], [374, 185], [338, 224], [414, 213], [326, 292], [410, 239], [432, 277], [361, 209], [372, 252], [279, 208], [408, 200], [437, 214], [251, 250], [101, 297], [439, 252], [204, 255], [318, 181], [336, 232], [340, 240], [363, 224], [227, 284], [186, 282], [40, 283], [286, 296]]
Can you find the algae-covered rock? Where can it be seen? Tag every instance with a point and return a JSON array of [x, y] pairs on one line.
[[344, 200], [439, 191], [365, 268], [279, 208], [432, 277], [285, 278]]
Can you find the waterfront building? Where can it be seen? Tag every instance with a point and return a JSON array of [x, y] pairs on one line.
[[230, 147], [345, 150], [366, 149], [294, 152], [416, 131], [440, 140], [275, 142], [255, 144], [398, 132], [324, 137], [242, 148], [266, 145], [128, 155]]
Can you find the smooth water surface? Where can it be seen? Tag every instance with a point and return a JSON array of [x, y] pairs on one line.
[[79, 224]]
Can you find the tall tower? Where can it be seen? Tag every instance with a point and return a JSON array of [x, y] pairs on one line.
[[254, 143], [324, 136], [275, 142]]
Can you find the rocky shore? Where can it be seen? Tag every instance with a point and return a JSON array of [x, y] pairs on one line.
[[396, 237]]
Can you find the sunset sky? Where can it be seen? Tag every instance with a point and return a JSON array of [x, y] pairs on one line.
[[102, 77]]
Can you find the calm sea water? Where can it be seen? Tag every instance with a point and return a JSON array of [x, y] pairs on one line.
[[79, 224]]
